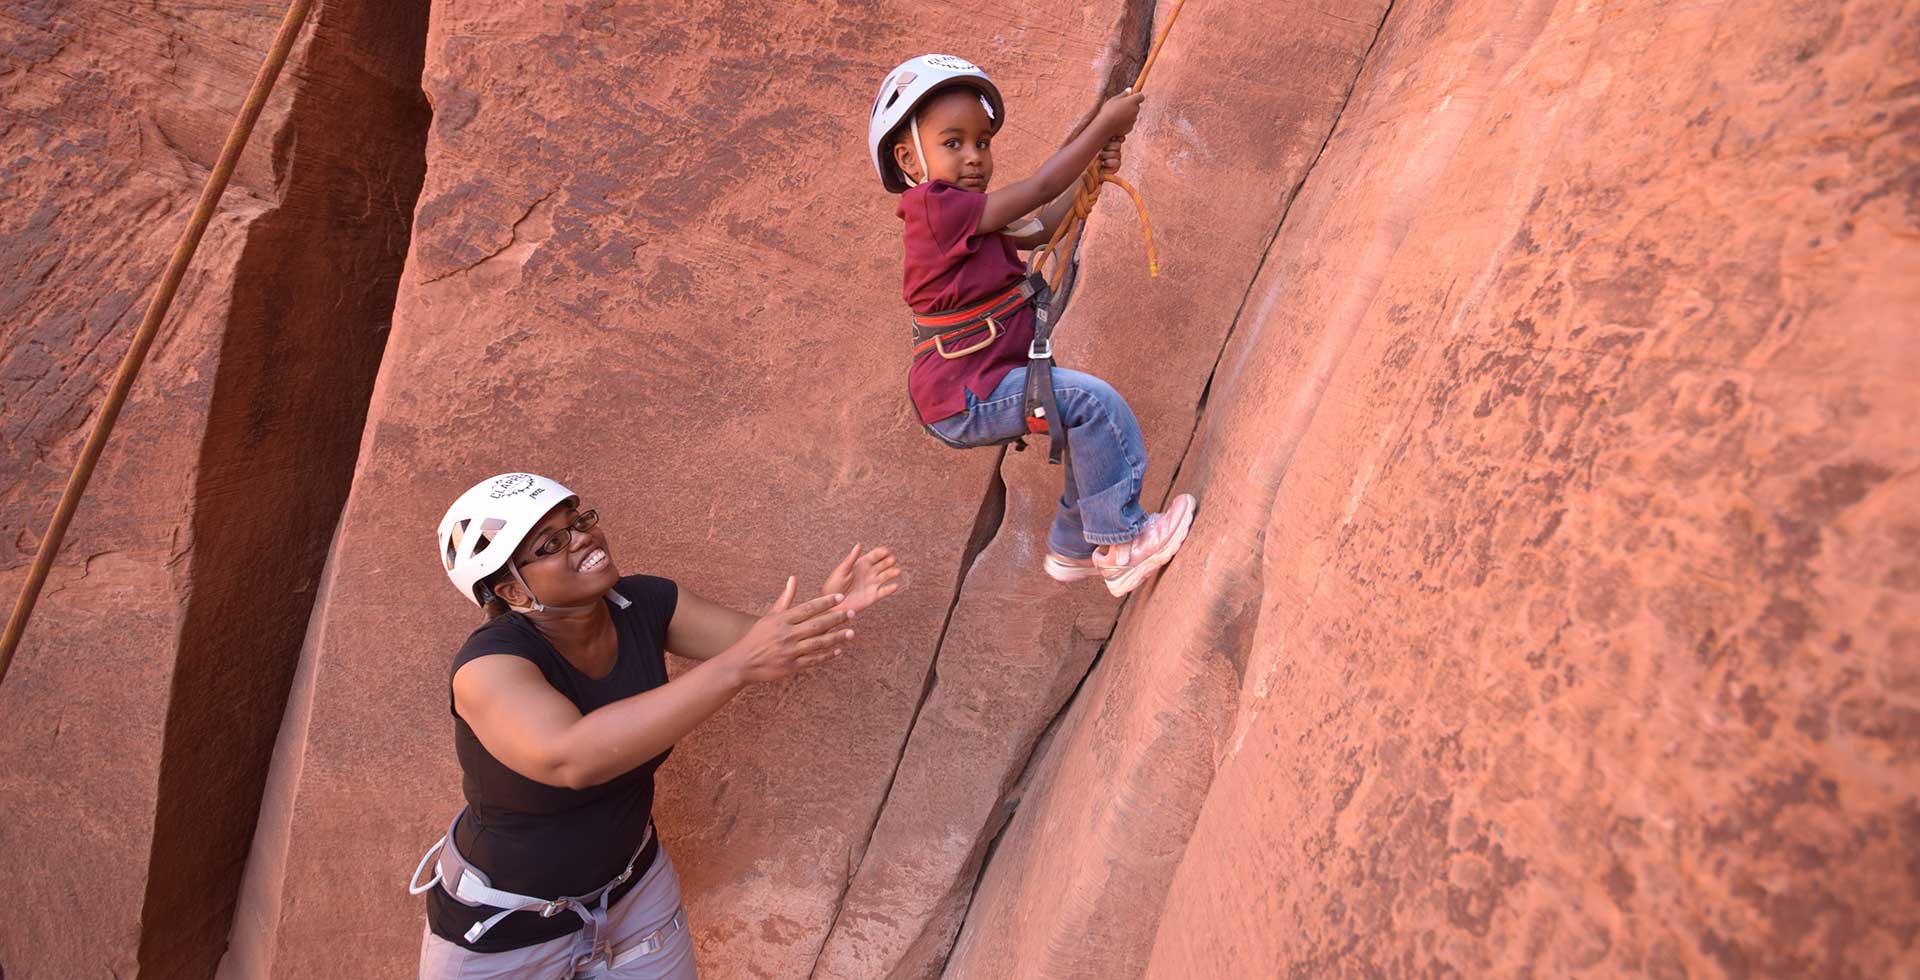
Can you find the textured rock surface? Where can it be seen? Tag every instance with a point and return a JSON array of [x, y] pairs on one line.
[[649, 259], [1550, 608], [1017, 643], [140, 712], [1551, 604]]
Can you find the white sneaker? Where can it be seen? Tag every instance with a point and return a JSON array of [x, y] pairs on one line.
[[1125, 566]]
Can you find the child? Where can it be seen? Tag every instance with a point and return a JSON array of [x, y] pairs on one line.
[[930, 138]]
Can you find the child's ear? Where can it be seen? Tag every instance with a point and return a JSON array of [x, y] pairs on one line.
[[903, 158]]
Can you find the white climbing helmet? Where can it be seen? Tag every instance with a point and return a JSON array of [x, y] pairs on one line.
[[483, 527], [900, 96]]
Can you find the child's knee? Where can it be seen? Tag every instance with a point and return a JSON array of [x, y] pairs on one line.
[[1089, 396]]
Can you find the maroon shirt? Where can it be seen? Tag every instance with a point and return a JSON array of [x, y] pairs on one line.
[[950, 267]]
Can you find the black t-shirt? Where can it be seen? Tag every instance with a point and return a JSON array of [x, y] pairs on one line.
[[549, 841]]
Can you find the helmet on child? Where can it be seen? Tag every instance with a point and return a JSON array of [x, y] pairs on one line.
[[906, 87], [488, 522]]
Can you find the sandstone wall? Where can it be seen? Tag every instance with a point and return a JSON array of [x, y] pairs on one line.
[[650, 260], [141, 709], [1018, 643], [1550, 609], [1544, 369]]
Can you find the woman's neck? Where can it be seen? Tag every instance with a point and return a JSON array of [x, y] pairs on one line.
[[578, 632]]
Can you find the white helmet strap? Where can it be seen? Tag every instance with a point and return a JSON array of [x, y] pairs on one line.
[[536, 605], [919, 152]]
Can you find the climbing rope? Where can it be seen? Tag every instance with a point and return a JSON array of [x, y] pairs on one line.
[[1066, 238], [149, 326]]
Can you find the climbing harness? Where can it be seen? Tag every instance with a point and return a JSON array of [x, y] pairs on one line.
[[1053, 268], [149, 326], [471, 887], [936, 331]]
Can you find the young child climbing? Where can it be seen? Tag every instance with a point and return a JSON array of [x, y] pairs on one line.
[[930, 136]]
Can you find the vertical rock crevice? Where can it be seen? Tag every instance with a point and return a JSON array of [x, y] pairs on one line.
[[1132, 40], [1279, 226], [1010, 803], [1235, 633], [986, 525], [311, 301]]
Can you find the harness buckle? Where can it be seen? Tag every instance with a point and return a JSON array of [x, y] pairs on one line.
[[553, 908], [993, 334], [1040, 349]]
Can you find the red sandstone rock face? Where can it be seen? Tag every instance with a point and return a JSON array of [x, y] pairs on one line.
[[140, 710], [1018, 643], [651, 260], [1550, 608]]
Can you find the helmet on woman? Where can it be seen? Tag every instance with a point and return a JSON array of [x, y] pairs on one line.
[[483, 527], [908, 85]]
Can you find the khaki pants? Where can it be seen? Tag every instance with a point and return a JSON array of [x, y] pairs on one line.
[[649, 907]]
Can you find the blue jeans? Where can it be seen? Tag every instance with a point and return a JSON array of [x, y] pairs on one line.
[[1107, 459]]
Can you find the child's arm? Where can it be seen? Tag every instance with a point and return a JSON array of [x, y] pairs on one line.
[[1054, 213], [1062, 170]]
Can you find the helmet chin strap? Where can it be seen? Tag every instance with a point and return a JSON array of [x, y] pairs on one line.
[[918, 152], [535, 605], [534, 602]]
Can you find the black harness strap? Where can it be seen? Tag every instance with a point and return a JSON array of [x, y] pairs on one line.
[[1043, 410]]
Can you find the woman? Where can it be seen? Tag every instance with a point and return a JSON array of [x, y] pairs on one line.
[[562, 711]]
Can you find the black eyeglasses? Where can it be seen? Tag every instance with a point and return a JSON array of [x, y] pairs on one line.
[[558, 540]]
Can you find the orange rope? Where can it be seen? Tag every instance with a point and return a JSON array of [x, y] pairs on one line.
[[149, 326], [1067, 235]]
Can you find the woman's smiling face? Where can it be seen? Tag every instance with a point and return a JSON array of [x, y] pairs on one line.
[[564, 564], [957, 134]]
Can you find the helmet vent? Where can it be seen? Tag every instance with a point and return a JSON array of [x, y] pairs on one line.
[[488, 528], [454, 535]]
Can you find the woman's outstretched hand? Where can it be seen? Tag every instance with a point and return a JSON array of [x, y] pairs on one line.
[[791, 638], [864, 578]]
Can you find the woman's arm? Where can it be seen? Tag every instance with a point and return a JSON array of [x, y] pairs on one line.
[[539, 734], [1061, 170], [702, 629]]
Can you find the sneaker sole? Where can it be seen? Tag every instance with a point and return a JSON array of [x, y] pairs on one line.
[[1062, 572], [1130, 579]]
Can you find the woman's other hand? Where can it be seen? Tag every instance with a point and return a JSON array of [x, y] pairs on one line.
[[1110, 155], [791, 638], [864, 578]]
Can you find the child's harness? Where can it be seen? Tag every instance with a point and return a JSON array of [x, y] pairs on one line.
[[956, 333]]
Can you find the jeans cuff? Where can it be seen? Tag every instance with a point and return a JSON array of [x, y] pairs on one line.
[[1121, 538]]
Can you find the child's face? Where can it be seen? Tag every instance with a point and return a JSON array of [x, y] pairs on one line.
[[957, 134]]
